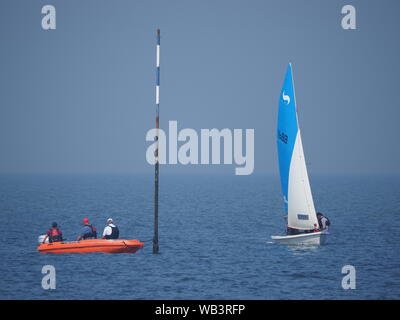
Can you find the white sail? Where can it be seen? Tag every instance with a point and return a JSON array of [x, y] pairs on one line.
[[301, 211]]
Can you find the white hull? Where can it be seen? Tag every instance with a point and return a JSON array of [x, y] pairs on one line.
[[315, 238]]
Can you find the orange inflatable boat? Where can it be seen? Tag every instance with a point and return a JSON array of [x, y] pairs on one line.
[[92, 245]]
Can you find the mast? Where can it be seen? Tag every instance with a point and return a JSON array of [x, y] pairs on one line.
[[156, 173]]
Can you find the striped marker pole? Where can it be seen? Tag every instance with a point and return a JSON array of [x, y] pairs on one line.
[[156, 174]]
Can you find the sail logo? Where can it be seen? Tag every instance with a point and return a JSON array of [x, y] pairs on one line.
[[303, 217], [199, 148], [285, 98], [283, 137]]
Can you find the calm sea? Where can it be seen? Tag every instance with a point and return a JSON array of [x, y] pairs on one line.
[[214, 238]]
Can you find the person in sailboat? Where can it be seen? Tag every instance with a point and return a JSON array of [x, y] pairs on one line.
[[88, 231], [323, 221], [111, 231], [293, 231]]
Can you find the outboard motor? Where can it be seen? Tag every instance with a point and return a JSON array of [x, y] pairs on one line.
[[41, 238]]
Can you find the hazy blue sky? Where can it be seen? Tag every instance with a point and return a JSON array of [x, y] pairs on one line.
[[81, 98]]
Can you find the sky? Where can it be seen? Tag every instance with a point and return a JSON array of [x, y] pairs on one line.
[[81, 98]]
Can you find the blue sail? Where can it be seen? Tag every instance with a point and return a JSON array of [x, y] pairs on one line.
[[287, 131]]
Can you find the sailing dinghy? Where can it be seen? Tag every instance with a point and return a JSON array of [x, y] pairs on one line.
[[299, 205]]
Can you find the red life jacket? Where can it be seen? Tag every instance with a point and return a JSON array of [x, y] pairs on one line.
[[55, 232], [54, 235]]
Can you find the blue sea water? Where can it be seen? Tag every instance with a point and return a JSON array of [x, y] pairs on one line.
[[214, 238]]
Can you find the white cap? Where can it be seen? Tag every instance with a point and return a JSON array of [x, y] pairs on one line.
[[109, 220]]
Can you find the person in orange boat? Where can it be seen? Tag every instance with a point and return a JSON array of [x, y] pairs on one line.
[[111, 231], [54, 234], [88, 231]]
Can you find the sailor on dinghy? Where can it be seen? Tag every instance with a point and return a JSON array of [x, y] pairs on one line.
[[54, 234], [111, 231], [323, 221], [293, 231], [88, 231]]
